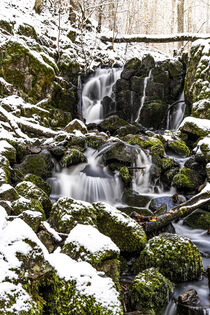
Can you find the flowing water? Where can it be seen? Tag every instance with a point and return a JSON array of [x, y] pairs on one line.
[[144, 94], [94, 90], [176, 113]]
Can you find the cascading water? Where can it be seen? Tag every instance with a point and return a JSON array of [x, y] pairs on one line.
[[94, 90], [89, 181], [176, 113], [144, 94]]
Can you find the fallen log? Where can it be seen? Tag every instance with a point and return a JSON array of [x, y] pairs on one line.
[[139, 38], [180, 211]]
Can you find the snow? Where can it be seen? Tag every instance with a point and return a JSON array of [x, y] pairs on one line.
[[5, 187], [3, 217], [203, 124], [5, 146], [91, 239], [51, 231], [88, 281]]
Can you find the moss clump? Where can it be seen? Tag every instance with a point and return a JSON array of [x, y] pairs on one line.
[[167, 163], [39, 182], [23, 204], [125, 175], [186, 179], [150, 290], [72, 157], [179, 147], [126, 233], [176, 257], [31, 191], [144, 143], [7, 26], [157, 151], [4, 170], [27, 30], [112, 124], [94, 141], [199, 219], [67, 212]]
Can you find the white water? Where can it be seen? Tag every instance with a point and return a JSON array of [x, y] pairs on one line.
[[176, 114], [89, 181], [144, 95], [94, 90]]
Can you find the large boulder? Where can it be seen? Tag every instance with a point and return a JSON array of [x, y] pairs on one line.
[[150, 290], [153, 114], [175, 256], [126, 233], [199, 219], [72, 157]]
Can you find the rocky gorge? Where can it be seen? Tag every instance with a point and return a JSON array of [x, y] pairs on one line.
[[101, 171]]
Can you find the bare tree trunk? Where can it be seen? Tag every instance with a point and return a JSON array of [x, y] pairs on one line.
[[180, 19]]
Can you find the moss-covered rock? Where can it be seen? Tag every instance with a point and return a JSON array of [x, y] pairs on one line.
[[74, 125], [134, 199], [201, 109], [167, 163], [94, 141], [7, 26], [72, 157], [32, 218], [176, 257], [7, 192], [185, 179], [157, 152], [123, 231], [31, 191], [150, 290], [199, 219], [4, 170], [195, 127], [137, 210], [120, 152], [67, 212], [46, 239], [38, 164], [153, 114], [39, 182], [81, 245], [27, 30], [8, 151], [112, 124], [30, 74], [23, 204], [125, 175], [179, 147], [203, 149]]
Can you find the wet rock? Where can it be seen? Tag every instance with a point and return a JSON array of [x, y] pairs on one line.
[[72, 157], [131, 68], [127, 234], [178, 147], [188, 303], [170, 202], [38, 164], [199, 219], [139, 211], [176, 257], [133, 199], [150, 290], [108, 106], [120, 152], [187, 179], [112, 124], [153, 114]]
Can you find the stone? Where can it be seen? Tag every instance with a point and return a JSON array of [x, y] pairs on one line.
[[186, 179], [38, 164], [201, 109], [8, 151], [4, 170], [112, 124], [176, 257], [150, 290], [126, 233], [39, 182], [125, 175], [170, 202], [46, 239], [108, 106], [178, 147], [120, 152], [189, 302], [67, 212], [139, 211], [76, 124], [8, 193], [134, 199], [153, 115], [199, 219], [31, 191], [72, 157], [32, 218]]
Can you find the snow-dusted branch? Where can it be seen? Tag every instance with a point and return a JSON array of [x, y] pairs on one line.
[[138, 38]]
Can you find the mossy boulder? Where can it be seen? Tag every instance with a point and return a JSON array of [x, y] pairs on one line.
[[39, 182], [126, 233], [134, 199], [4, 170], [8, 151], [72, 157], [81, 245], [94, 141], [125, 175], [179, 147], [203, 149], [167, 163], [176, 257], [74, 125], [38, 164], [153, 115], [195, 127], [8, 26], [136, 210], [47, 240], [186, 179], [120, 152], [30, 74], [150, 290], [9, 193], [67, 212], [199, 219], [112, 124], [32, 218], [31, 191], [24, 204], [201, 109]]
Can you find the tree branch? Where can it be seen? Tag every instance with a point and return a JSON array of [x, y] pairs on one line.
[[138, 38]]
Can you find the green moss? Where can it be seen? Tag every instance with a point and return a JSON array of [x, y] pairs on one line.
[[185, 179], [7, 26], [39, 182], [31, 191], [199, 219], [23, 204], [157, 151], [94, 141], [150, 290], [167, 163], [72, 157], [125, 175], [153, 114], [179, 147], [144, 143], [123, 231], [176, 257], [112, 124], [8, 151], [4, 170], [27, 30]]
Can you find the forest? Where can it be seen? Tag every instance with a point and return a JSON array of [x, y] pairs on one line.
[[104, 157]]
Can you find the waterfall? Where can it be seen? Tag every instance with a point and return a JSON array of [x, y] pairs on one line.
[[89, 181], [144, 95], [176, 113], [94, 90]]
